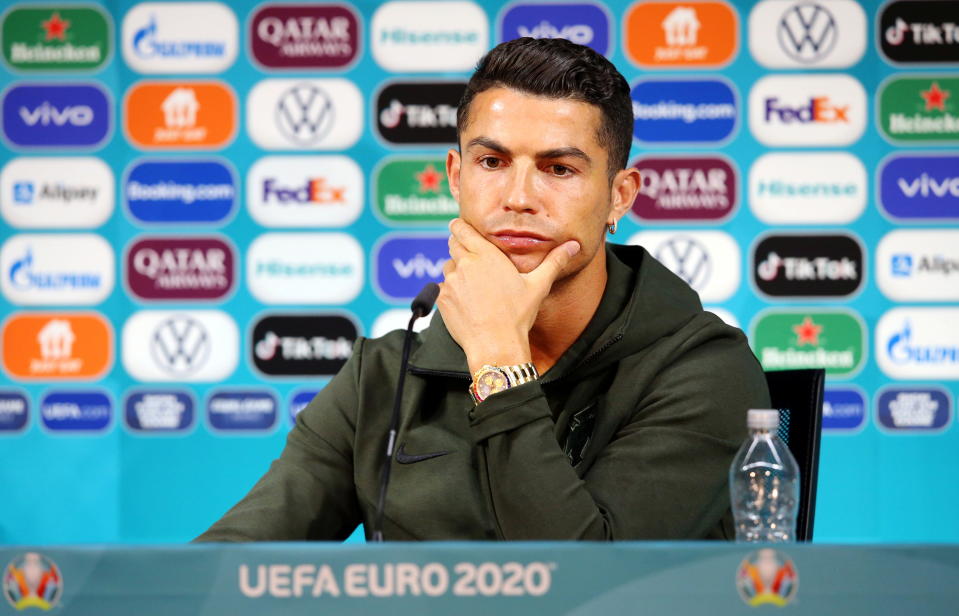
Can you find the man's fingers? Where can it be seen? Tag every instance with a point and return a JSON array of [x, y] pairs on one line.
[[470, 238], [457, 250], [547, 271]]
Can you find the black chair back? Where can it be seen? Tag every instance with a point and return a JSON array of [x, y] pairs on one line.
[[798, 395]]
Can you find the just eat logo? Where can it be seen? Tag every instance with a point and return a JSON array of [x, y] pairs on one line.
[[819, 110]]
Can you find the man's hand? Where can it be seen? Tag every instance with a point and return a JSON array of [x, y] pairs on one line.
[[487, 305]]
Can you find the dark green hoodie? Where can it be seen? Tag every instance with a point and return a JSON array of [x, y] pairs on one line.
[[629, 436]]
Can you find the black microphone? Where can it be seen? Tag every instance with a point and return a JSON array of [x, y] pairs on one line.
[[421, 306]]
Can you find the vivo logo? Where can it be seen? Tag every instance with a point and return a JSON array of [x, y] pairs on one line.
[[405, 263], [48, 114], [419, 266], [927, 186], [581, 34]]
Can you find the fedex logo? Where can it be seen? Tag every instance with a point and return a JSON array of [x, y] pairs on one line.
[[819, 109], [314, 190], [804, 110]]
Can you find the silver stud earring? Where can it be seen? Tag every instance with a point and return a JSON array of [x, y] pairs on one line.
[[611, 227]]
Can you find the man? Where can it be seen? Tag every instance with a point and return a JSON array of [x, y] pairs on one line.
[[603, 402]]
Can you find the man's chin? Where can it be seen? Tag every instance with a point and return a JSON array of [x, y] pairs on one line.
[[525, 263]]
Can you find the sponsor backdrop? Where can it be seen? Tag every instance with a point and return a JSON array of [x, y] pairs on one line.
[[204, 204]]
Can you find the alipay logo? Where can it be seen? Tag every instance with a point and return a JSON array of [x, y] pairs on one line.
[[76, 411], [180, 37], [55, 115], [920, 187], [810, 34], [405, 263], [180, 191], [581, 23], [683, 111], [919, 343], [305, 114], [159, 411], [923, 265], [56, 269], [61, 192]]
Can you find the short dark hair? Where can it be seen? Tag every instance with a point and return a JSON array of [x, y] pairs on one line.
[[557, 68]]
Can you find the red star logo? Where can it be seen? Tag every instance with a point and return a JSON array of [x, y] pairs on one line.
[[934, 97], [807, 332], [429, 179], [56, 28]]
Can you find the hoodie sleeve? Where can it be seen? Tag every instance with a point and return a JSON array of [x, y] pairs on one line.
[[661, 469], [308, 492]]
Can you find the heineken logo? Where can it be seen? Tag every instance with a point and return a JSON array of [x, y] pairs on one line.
[[414, 190], [920, 109], [790, 340], [56, 38]]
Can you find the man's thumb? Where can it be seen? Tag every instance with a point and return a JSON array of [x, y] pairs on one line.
[[553, 264]]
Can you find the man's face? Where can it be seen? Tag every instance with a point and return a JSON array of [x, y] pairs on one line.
[[532, 175]]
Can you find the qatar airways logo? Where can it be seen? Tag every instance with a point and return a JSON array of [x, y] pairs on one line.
[[199, 268]]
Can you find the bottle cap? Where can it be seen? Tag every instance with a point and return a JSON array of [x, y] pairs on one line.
[[762, 419]]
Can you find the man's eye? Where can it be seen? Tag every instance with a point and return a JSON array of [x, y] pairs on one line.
[[490, 163], [561, 170]]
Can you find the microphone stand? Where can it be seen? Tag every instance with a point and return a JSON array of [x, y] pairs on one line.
[[421, 306]]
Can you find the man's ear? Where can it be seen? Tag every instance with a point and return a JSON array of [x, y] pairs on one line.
[[453, 173], [625, 186]]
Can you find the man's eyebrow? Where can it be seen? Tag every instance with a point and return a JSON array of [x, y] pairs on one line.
[[564, 152], [496, 146], [489, 144]]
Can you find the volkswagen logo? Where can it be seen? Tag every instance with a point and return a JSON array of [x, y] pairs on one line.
[[686, 258], [807, 32], [180, 345], [304, 114]]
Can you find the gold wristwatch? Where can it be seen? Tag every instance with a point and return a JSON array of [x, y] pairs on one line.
[[490, 380]]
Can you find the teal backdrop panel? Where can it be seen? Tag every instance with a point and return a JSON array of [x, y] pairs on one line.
[[204, 204]]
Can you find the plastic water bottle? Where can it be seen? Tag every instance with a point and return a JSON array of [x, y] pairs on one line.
[[764, 483]]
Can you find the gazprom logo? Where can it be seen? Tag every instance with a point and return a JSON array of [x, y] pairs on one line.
[[582, 23], [405, 263], [180, 191]]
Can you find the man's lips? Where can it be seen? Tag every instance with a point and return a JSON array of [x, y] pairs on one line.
[[519, 241]]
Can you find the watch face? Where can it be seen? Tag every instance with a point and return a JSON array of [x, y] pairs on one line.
[[490, 382]]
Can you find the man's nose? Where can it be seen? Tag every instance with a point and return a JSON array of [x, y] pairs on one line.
[[521, 193]]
